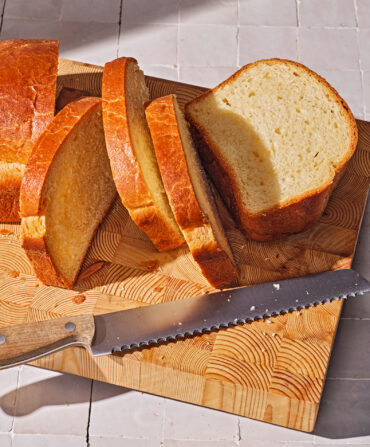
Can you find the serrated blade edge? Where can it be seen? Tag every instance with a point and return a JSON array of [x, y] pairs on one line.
[[177, 319]]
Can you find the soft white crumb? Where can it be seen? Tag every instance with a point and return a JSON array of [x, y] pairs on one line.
[[253, 308], [179, 323], [268, 321], [299, 314], [277, 286], [266, 310], [296, 301], [263, 350], [273, 334], [264, 333]]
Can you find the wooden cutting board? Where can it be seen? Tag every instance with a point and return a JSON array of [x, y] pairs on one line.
[[270, 370]]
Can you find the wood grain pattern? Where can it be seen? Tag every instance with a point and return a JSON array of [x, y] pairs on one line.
[[269, 371]]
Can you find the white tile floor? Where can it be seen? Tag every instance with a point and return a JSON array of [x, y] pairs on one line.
[[200, 42]]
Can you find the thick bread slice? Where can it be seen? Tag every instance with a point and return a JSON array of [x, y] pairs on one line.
[[66, 191], [275, 138], [130, 149], [188, 191], [28, 74]]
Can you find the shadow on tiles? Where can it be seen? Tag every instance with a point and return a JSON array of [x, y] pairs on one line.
[[37, 398]]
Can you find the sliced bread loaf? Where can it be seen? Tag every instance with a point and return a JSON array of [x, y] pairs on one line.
[[130, 149], [275, 137], [66, 191], [188, 191], [28, 74]]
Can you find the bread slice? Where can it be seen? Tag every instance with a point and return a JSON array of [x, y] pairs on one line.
[[28, 75], [130, 149], [188, 191], [66, 191], [275, 138]]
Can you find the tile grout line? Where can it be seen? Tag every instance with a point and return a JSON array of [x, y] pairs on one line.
[[238, 33], [178, 40], [163, 420], [359, 60], [119, 26], [11, 432], [2, 17], [298, 27], [89, 415]]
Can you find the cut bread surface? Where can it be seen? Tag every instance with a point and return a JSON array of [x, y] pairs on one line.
[[280, 133], [131, 153], [188, 191], [28, 73], [67, 190]]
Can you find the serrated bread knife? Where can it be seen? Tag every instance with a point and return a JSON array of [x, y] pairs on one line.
[[117, 331]]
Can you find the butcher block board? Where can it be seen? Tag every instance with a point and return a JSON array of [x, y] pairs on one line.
[[270, 370]]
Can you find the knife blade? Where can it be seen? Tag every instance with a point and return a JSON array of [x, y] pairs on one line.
[[144, 326]]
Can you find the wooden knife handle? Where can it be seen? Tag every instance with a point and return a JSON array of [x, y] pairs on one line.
[[25, 342]]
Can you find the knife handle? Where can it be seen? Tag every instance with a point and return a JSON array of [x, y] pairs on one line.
[[25, 342]]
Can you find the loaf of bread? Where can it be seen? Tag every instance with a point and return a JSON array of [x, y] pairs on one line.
[[130, 149], [66, 191], [275, 138], [188, 191], [28, 74]]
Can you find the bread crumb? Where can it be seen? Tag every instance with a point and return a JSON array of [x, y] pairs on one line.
[[268, 321], [264, 333], [277, 286], [79, 299], [273, 334], [253, 308], [298, 314], [263, 350], [13, 273]]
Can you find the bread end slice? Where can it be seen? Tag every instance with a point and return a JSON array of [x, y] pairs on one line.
[[275, 138], [66, 191], [131, 153], [189, 194], [28, 74]]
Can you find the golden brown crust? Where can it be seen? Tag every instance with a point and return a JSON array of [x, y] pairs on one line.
[[28, 73], [10, 182], [215, 264], [126, 170], [289, 217], [161, 117], [31, 204]]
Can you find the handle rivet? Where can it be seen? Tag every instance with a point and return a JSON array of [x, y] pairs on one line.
[[70, 327], [2, 339]]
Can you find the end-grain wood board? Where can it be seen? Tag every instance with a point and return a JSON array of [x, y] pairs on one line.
[[273, 370]]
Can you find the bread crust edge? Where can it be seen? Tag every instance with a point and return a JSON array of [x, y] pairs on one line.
[[33, 224], [125, 166], [290, 217], [214, 263]]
